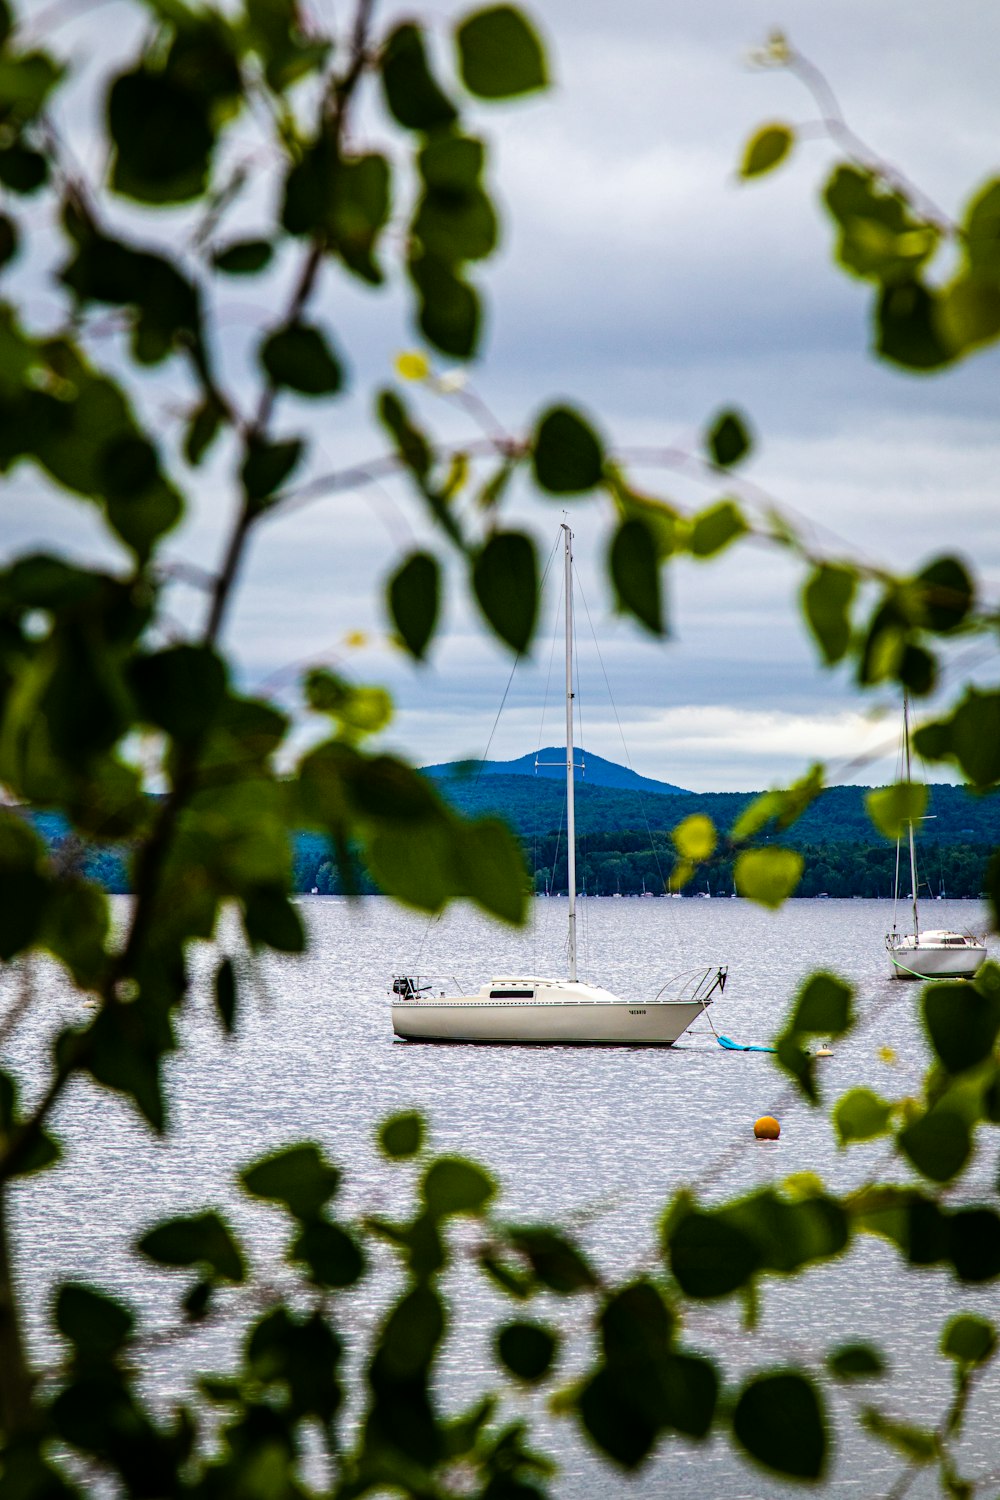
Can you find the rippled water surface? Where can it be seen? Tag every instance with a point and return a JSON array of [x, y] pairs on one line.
[[596, 1138]]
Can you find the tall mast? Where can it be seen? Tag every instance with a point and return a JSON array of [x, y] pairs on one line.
[[913, 857], [570, 787]]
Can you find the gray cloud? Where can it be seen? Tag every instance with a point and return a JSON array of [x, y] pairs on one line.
[[638, 278]]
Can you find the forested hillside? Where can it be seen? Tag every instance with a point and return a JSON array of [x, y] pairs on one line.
[[536, 807], [624, 840]]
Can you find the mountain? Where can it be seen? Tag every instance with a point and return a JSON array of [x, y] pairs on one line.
[[534, 805], [550, 763]]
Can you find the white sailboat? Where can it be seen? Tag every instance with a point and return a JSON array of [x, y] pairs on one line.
[[935, 953], [534, 1010]]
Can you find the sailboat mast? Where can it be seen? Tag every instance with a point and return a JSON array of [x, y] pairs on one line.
[[570, 787], [913, 856]]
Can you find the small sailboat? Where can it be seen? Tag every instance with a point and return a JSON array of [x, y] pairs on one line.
[[935, 953], [530, 1009]]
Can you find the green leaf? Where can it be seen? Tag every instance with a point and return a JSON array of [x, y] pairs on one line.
[[449, 311], [455, 220], [167, 305], [766, 150], [298, 1177], [856, 1362], [9, 239], [243, 257], [823, 1007], [411, 93], [224, 993], [26, 81], [401, 1136], [414, 594], [270, 920], [779, 1419], [298, 358], [528, 1350], [500, 55], [645, 1387], [97, 1325], [410, 443], [917, 1444], [357, 710], [826, 603], [286, 45], [505, 581], [780, 808], [768, 876], [333, 1257], [180, 690], [938, 1144], [908, 327], [729, 440], [163, 137], [636, 1325], [410, 1337], [695, 838], [946, 594], [982, 229], [635, 573], [359, 212], [968, 313], [489, 867], [452, 1185], [567, 455], [879, 239], [201, 1240], [297, 1357], [23, 170], [266, 466], [691, 1393], [23, 887], [961, 1023], [969, 1340], [556, 1262], [345, 198], [709, 1257], [974, 1244], [620, 1427], [715, 529], [45, 1151], [893, 808], [203, 428], [860, 1116], [972, 737]]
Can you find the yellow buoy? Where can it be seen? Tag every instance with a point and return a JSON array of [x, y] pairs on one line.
[[824, 1051], [767, 1128]]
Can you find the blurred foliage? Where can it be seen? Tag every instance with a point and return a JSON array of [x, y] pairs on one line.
[[134, 736]]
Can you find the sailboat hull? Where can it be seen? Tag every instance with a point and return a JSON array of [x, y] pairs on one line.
[[958, 958], [588, 1023]]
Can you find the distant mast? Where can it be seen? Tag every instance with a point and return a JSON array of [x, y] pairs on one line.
[[570, 789], [913, 855]]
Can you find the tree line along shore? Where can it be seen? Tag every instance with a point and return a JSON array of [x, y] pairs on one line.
[[625, 845]]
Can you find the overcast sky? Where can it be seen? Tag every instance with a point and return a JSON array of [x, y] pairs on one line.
[[640, 280]]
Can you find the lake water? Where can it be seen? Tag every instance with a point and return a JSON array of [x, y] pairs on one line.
[[595, 1138]]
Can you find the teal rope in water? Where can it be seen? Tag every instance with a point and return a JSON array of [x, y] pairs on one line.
[[731, 1046]]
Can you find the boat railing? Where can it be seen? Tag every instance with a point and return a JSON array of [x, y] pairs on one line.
[[692, 984], [412, 986]]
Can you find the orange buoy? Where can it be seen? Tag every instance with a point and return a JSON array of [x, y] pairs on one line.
[[767, 1128]]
